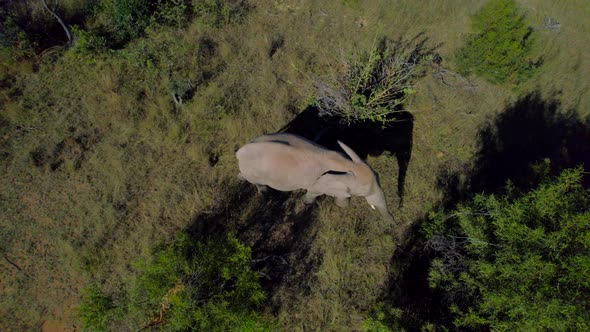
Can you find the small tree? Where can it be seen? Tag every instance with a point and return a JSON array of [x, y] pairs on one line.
[[96, 309], [522, 263], [185, 286], [500, 47], [374, 85]]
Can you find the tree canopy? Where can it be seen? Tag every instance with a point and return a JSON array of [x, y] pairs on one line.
[[519, 260]]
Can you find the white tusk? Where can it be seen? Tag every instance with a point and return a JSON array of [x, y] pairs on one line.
[[372, 207]]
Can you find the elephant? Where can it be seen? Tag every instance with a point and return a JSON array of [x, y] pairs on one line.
[[365, 137], [287, 162]]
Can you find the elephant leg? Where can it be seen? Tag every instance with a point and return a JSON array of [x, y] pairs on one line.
[[342, 201], [310, 197], [261, 188]]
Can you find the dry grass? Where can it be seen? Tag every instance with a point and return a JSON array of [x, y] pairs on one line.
[[147, 171]]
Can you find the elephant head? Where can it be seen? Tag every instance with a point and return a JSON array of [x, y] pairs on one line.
[[354, 178], [288, 162]]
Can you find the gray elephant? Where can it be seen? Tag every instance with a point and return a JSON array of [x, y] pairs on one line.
[[288, 162]]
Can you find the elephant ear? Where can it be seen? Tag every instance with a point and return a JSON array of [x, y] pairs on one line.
[[350, 153], [334, 183]]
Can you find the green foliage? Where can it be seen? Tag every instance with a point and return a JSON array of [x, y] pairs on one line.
[[96, 310], [181, 64], [99, 162], [219, 12], [190, 286], [513, 263], [126, 19], [500, 47], [9, 34], [121, 21], [88, 41], [173, 12], [376, 84], [384, 318]]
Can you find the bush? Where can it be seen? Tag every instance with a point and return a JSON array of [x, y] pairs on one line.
[[121, 21], [517, 263], [125, 20], [173, 12], [88, 42], [96, 310], [500, 47], [383, 318], [220, 12], [185, 286], [375, 85]]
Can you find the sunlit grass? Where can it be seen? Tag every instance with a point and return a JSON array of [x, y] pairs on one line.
[[146, 172]]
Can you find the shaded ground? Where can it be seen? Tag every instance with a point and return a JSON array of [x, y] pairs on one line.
[[278, 227], [529, 140]]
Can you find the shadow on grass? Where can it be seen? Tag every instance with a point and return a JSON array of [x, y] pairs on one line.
[[365, 138], [524, 144], [527, 133], [278, 227]]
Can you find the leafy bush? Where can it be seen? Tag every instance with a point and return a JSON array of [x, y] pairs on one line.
[[188, 286], [500, 47], [376, 84], [220, 12], [87, 41], [96, 310], [121, 21], [125, 19], [384, 318], [183, 64], [173, 12], [509, 263]]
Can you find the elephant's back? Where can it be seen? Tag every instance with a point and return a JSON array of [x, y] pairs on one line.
[[279, 166]]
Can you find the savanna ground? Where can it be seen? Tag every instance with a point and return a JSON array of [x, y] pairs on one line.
[[100, 165]]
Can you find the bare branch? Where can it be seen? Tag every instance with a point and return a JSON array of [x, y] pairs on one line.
[[63, 25], [12, 263]]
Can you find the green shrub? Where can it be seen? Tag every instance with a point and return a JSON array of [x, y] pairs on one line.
[[187, 286], [376, 84], [220, 12], [96, 310], [500, 47], [173, 12], [384, 317], [517, 263], [125, 20], [87, 41]]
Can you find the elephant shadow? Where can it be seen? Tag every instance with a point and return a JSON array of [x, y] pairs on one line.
[[365, 138], [278, 227]]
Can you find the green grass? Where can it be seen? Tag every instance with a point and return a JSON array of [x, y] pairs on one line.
[[98, 164]]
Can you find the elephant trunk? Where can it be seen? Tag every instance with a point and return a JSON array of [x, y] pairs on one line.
[[377, 201]]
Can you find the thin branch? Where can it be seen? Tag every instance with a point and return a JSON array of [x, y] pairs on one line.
[[177, 99], [450, 216], [474, 240], [12, 263], [63, 25]]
